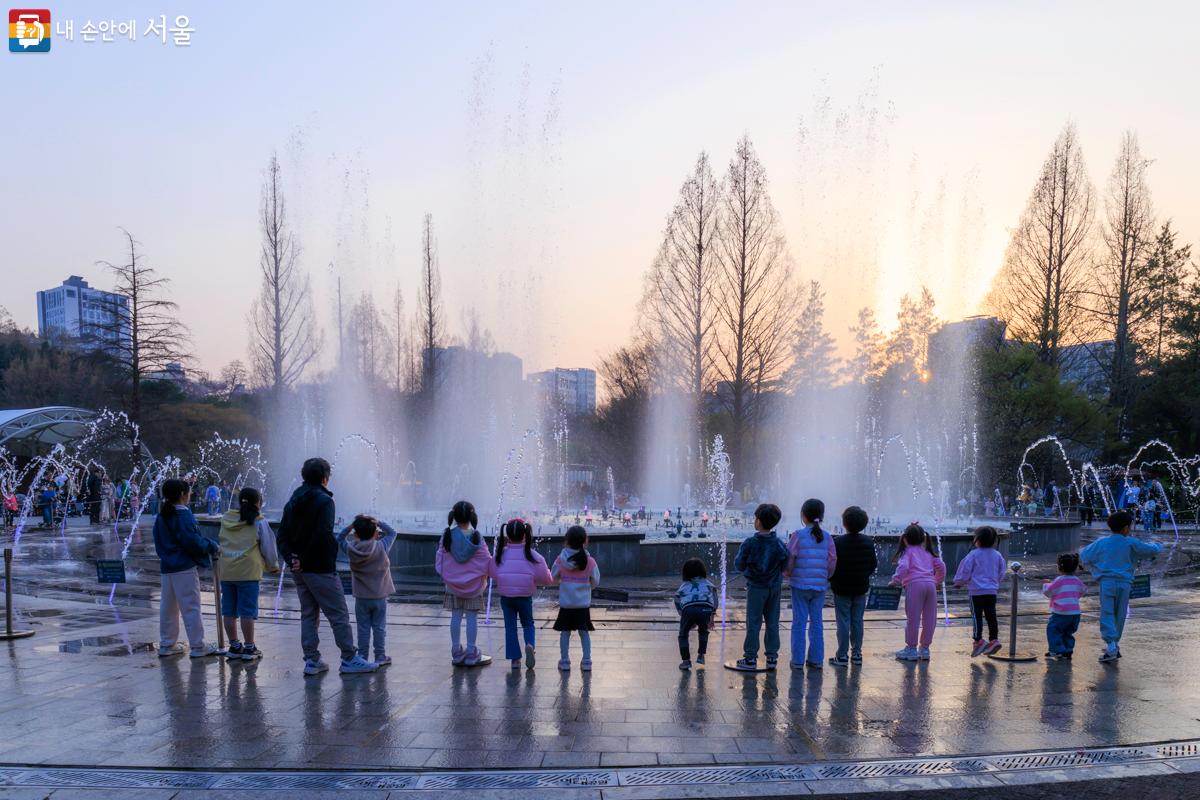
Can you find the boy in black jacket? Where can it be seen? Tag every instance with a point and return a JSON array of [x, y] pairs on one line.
[[850, 582], [761, 559]]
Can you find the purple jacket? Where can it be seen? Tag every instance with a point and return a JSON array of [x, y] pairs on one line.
[[982, 570]]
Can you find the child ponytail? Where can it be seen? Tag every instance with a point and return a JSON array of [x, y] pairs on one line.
[[462, 513], [576, 539], [516, 530], [173, 490], [813, 510], [248, 502]]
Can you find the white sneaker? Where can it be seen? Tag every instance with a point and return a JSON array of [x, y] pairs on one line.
[[177, 649], [315, 667], [356, 665], [907, 654], [205, 651], [923, 653]]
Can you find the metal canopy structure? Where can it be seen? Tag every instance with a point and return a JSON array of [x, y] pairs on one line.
[[28, 431]]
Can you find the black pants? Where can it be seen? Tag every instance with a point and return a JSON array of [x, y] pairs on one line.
[[94, 511], [1087, 515], [984, 605], [694, 617]]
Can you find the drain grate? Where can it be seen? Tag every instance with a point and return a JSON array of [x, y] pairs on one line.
[[899, 769], [262, 781], [1182, 750], [517, 780], [67, 778], [1077, 758], [674, 777]]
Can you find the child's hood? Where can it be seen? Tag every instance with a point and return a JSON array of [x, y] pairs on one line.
[[566, 555], [362, 548], [461, 546]]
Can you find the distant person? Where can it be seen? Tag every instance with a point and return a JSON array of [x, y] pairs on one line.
[[1087, 507], [49, 495], [981, 572], [463, 562], [518, 573], [812, 558], [247, 551], [11, 506], [919, 571], [366, 543], [696, 602], [761, 559], [851, 582], [577, 574], [107, 496], [94, 488], [1112, 560], [181, 551], [307, 545], [212, 499], [1149, 514], [1064, 593]]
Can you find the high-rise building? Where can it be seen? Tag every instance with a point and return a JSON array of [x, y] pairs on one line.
[[74, 309], [572, 390]]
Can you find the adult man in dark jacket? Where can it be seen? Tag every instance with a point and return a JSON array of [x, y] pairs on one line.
[[93, 496], [850, 583], [307, 544]]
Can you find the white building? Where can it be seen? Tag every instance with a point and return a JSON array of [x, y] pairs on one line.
[[78, 311], [573, 390]]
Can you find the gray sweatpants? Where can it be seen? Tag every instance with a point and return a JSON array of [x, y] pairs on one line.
[[323, 593], [180, 595]]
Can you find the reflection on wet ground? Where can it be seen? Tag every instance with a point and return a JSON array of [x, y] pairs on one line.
[[70, 701]]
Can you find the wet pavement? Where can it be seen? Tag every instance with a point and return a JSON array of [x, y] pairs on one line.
[[88, 690]]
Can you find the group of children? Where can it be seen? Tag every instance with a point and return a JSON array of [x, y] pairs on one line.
[[813, 562]]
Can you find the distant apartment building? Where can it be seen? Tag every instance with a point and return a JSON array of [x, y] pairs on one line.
[[77, 311], [949, 343], [458, 365], [572, 390]]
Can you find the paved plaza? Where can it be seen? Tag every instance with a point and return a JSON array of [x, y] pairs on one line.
[[88, 690]]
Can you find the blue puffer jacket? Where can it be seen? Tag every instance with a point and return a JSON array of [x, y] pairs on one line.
[[810, 563], [178, 542]]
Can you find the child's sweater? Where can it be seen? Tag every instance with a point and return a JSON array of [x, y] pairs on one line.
[[982, 570], [370, 565], [1113, 557], [575, 585], [1064, 593], [918, 564], [761, 558]]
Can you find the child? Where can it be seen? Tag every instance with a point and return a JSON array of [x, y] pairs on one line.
[[761, 559], [919, 571], [247, 549], [463, 562], [181, 550], [577, 574], [1064, 593], [696, 602], [811, 560], [981, 572], [1112, 560], [517, 578], [370, 580], [850, 582]]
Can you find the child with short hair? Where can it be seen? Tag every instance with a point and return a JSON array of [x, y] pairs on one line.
[[1112, 560], [517, 575], [577, 574], [463, 562], [1064, 593], [761, 559], [919, 571], [247, 550], [981, 572], [696, 602], [850, 583], [181, 550], [370, 581]]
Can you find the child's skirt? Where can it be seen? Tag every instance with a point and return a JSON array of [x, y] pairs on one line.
[[574, 619], [452, 602]]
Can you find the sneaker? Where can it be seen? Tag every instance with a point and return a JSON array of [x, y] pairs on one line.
[[530, 656], [856, 658], [772, 662], [586, 665], [980, 648], [356, 665], [458, 655], [840, 661], [516, 663], [1111, 653], [923, 654], [251, 653], [315, 667], [177, 649], [814, 665], [747, 663], [205, 651], [472, 658], [907, 654], [796, 664], [1067, 656], [685, 665], [700, 658], [564, 665], [382, 661], [993, 647], [234, 653]]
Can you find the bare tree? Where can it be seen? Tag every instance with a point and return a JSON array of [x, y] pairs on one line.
[[756, 298], [814, 365], [867, 363], [233, 375], [430, 298], [680, 304], [1167, 265], [366, 346], [1120, 297], [284, 337], [1038, 289], [140, 331]]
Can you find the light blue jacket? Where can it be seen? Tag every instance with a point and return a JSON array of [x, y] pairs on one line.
[[1114, 557], [810, 563]]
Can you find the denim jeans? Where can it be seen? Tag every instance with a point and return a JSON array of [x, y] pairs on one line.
[[564, 644], [806, 617], [514, 608], [762, 605], [849, 610], [371, 614], [1060, 632], [698, 617], [1114, 607]]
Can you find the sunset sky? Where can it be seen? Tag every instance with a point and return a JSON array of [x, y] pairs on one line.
[[549, 141]]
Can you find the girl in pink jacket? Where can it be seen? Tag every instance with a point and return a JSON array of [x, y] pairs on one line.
[[517, 574], [464, 562], [919, 571]]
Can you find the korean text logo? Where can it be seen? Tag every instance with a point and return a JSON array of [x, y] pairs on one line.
[[29, 30]]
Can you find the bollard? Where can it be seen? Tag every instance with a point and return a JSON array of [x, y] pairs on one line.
[[216, 564], [1012, 654], [9, 633]]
